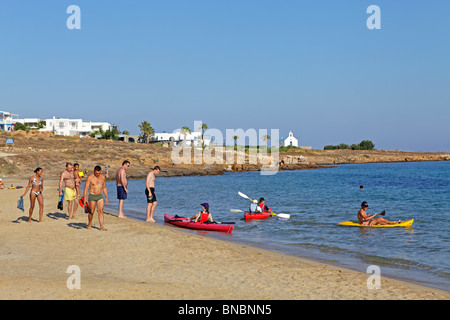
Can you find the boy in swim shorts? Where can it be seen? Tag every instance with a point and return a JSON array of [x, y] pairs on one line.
[[150, 193]]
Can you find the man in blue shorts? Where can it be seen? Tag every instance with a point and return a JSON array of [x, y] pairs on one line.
[[122, 183]]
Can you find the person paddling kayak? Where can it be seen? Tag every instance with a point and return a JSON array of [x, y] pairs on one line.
[[260, 206], [370, 220], [204, 215]]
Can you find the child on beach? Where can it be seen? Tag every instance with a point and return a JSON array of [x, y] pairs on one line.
[[2, 185], [204, 215]]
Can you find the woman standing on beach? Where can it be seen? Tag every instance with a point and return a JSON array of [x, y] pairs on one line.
[[36, 183]]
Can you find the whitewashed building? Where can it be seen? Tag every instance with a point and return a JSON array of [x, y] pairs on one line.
[[178, 138], [66, 127], [289, 141], [7, 121]]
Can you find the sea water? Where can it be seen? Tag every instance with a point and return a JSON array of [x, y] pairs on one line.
[[317, 200]]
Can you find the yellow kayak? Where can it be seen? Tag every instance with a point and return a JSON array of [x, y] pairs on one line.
[[407, 223]]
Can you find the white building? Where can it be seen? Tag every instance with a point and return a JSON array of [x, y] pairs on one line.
[[66, 127], [289, 141], [7, 121], [176, 138]]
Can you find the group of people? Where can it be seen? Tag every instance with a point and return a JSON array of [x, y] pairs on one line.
[[122, 190], [95, 193], [71, 177]]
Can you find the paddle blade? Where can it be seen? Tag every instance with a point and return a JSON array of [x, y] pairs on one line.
[[243, 195], [236, 211], [383, 213], [283, 215]]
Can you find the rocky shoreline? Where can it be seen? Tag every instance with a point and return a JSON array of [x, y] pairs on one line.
[[32, 150]]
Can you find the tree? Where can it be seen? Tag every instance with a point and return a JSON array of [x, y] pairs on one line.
[[266, 138], [235, 141], [367, 145], [111, 134], [21, 126], [146, 130], [41, 124], [203, 128], [100, 132], [185, 131]]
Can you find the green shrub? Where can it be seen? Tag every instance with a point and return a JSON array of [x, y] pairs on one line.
[[363, 145]]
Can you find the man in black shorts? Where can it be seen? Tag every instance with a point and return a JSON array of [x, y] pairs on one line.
[[150, 193]]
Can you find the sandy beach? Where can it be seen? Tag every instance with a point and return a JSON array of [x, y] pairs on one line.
[[135, 260]]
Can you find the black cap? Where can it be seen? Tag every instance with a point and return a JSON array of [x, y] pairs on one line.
[[364, 204]]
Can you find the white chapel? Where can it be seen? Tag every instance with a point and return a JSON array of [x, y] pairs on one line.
[[289, 141]]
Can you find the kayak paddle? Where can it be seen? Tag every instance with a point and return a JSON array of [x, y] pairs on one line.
[[244, 196], [281, 215]]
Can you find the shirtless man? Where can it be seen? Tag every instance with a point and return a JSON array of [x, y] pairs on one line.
[[366, 220], [96, 185], [150, 193], [122, 183], [70, 191]]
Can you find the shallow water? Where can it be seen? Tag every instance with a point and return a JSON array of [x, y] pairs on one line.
[[317, 200]]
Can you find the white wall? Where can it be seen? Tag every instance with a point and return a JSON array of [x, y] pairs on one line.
[[67, 127], [291, 140]]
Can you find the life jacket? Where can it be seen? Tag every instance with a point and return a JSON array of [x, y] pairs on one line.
[[204, 217], [263, 207]]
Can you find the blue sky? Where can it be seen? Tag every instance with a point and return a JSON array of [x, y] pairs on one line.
[[312, 67]]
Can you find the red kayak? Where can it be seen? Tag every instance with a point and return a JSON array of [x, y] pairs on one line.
[[258, 215], [185, 223]]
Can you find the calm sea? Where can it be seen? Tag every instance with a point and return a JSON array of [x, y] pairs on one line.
[[317, 200]]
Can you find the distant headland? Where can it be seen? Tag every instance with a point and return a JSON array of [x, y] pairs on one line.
[[51, 152]]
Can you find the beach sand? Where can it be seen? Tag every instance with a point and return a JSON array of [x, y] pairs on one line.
[[135, 260]]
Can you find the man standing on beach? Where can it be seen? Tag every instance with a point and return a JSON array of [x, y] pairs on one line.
[[96, 185], [122, 183], [150, 193], [70, 191]]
